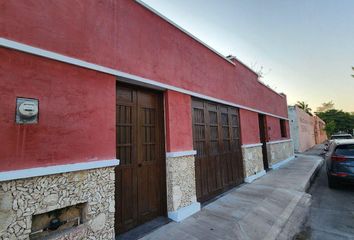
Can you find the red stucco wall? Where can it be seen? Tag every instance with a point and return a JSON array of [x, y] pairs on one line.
[[77, 106], [76, 113], [274, 131], [126, 36], [306, 130], [320, 133], [249, 127], [178, 117]]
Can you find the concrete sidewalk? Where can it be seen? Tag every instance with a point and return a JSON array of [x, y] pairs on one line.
[[269, 208]]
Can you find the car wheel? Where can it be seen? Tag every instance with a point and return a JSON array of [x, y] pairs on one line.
[[332, 183]]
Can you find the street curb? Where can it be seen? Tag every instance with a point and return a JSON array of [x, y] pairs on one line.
[[278, 226], [292, 207], [314, 172], [296, 219]]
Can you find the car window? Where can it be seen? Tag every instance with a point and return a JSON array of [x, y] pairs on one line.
[[345, 150]]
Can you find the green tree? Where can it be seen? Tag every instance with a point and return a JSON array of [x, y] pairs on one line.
[[330, 128], [304, 106], [353, 70], [326, 106], [338, 120]]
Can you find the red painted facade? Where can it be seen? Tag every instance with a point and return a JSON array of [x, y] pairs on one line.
[[77, 106], [249, 127], [274, 130], [126, 36], [76, 113], [178, 117]]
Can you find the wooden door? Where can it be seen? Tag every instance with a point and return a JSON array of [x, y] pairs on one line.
[[263, 139], [140, 178], [216, 138]]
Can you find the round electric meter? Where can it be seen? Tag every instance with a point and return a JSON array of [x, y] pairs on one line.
[[28, 109]]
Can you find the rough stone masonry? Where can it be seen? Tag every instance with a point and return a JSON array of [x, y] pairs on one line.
[[21, 199]]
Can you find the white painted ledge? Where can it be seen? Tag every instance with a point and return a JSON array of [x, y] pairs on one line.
[[184, 212], [115, 72], [181, 154], [254, 177], [280, 141], [44, 171], [252, 145], [281, 163]]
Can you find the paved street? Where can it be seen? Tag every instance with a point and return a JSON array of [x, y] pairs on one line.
[[272, 207], [332, 211]]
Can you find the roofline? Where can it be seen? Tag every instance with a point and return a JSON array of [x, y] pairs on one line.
[[191, 35], [184, 31], [271, 89], [201, 42]]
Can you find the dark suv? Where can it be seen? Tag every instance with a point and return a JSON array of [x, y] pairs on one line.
[[337, 136], [340, 162]]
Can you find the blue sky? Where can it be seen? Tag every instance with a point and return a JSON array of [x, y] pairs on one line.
[[306, 47]]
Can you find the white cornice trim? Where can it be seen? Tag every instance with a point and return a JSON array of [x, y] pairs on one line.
[[43, 171], [279, 141], [181, 154], [138, 80], [252, 145]]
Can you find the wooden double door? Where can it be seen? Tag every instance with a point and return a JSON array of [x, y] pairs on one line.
[[140, 177], [216, 137]]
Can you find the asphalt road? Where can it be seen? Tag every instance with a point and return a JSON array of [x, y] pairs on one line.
[[332, 210]]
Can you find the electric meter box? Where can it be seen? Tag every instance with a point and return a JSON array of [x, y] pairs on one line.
[[27, 110]]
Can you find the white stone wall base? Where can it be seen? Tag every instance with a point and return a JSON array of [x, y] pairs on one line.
[[21, 199], [252, 160], [184, 212], [281, 163], [256, 176]]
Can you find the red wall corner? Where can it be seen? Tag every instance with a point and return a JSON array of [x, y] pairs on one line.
[[76, 113], [249, 127], [178, 121]]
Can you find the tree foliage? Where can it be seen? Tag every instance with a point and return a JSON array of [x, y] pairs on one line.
[[330, 128], [326, 106], [337, 121], [304, 106], [353, 70]]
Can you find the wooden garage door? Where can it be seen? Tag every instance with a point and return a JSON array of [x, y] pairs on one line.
[[216, 136], [140, 179]]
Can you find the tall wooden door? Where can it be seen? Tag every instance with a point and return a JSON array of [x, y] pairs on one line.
[[216, 137], [140, 177], [263, 139]]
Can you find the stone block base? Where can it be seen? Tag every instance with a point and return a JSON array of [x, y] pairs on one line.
[[181, 187], [279, 151], [21, 199], [252, 161]]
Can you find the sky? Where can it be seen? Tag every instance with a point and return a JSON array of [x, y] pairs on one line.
[[306, 47]]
